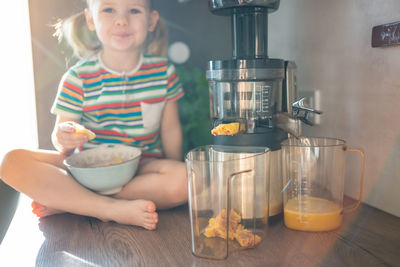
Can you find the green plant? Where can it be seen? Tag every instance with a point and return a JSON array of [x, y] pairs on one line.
[[194, 108]]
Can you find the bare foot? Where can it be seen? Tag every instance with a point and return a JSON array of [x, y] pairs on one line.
[[43, 211], [134, 212]]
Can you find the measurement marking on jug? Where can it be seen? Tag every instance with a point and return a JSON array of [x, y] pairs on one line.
[[263, 94]]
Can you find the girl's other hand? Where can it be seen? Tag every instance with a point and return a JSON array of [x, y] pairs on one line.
[[66, 138]]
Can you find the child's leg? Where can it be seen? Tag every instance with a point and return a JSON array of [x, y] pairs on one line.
[[162, 181], [41, 176]]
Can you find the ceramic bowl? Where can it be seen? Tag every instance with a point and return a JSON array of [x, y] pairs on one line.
[[104, 169]]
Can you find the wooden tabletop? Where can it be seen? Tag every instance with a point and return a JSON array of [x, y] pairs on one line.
[[368, 237]]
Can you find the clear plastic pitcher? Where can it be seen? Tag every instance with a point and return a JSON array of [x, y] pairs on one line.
[[228, 198], [313, 175]]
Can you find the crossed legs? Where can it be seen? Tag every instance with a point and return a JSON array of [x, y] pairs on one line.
[[41, 175]]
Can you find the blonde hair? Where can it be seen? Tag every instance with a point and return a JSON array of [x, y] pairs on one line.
[[84, 42]]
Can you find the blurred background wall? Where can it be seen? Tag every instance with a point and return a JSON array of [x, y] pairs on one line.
[[360, 90], [331, 44]]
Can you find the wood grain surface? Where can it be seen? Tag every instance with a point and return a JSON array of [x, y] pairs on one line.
[[368, 237]]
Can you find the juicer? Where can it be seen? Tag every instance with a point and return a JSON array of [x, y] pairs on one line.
[[258, 92]]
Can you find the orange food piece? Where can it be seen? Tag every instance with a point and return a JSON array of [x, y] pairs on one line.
[[116, 160], [211, 230], [79, 129], [246, 238], [217, 228], [226, 129]]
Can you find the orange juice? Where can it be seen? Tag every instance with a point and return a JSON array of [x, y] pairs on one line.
[[312, 214]]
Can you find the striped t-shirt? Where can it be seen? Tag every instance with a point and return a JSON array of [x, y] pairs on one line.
[[120, 108]]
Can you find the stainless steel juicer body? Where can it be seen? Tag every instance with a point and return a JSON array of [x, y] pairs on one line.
[[250, 88], [251, 92]]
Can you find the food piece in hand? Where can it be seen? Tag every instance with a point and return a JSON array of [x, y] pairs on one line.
[[226, 129], [79, 129]]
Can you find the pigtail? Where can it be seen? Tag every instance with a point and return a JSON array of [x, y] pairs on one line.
[[75, 31], [157, 41]]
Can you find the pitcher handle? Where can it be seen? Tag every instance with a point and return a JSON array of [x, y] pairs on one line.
[[351, 209], [228, 202]]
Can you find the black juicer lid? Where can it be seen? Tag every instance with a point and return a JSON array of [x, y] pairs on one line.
[[225, 7]]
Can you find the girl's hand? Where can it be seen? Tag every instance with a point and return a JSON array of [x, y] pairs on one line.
[[65, 137]]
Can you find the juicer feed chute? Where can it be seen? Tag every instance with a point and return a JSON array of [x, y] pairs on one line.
[[258, 92]]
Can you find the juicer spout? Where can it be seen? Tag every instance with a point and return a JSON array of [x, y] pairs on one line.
[[302, 112]]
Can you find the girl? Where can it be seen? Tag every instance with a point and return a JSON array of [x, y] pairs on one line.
[[124, 96]]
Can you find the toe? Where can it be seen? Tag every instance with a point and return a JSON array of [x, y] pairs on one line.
[[151, 220], [152, 217], [150, 226], [35, 205], [151, 207], [37, 212]]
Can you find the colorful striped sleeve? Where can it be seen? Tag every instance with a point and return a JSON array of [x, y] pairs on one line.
[[69, 100], [174, 87]]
